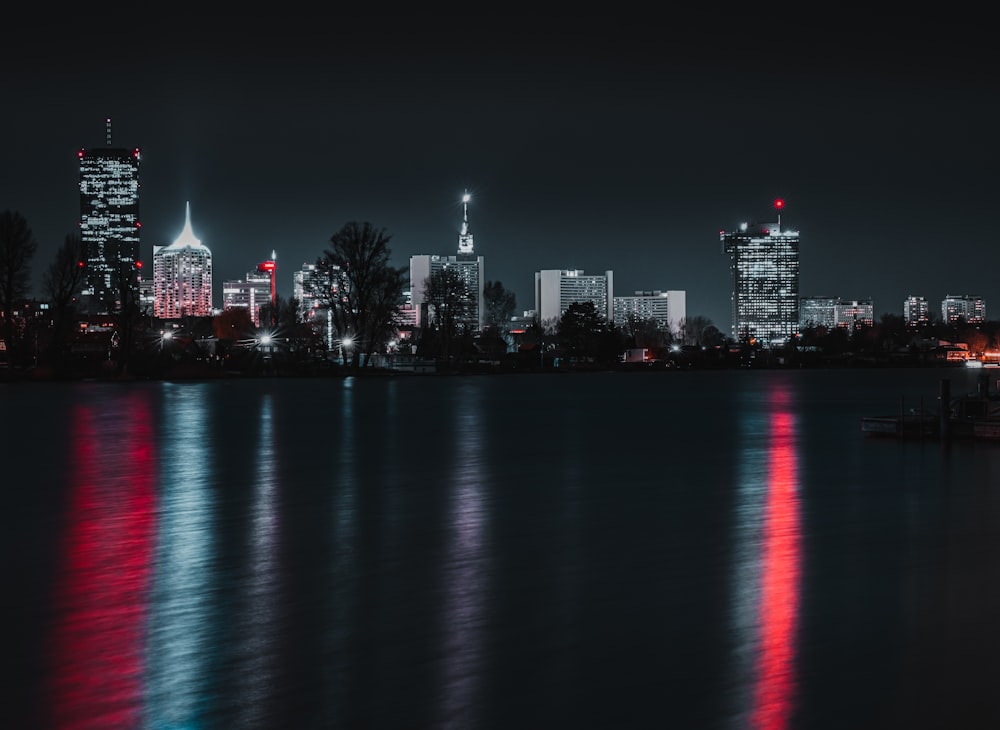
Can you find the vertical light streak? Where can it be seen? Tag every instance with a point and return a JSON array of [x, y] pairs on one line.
[[466, 568], [767, 569], [258, 629], [182, 625], [774, 688], [101, 592]]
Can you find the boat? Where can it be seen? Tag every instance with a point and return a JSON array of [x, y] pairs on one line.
[[971, 416]]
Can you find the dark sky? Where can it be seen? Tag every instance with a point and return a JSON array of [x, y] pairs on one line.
[[588, 142]]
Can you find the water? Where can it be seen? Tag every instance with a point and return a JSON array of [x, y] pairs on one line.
[[668, 550]]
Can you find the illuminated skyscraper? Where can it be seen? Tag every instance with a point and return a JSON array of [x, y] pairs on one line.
[[109, 226], [765, 275], [556, 289], [972, 309], [470, 268], [916, 311], [182, 276]]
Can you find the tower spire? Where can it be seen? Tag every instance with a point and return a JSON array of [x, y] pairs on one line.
[[107, 130], [465, 237]]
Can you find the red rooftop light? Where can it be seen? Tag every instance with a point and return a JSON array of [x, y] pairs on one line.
[[779, 203]]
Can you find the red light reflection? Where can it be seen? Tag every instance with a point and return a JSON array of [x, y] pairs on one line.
[[774, 687], [100, 599]]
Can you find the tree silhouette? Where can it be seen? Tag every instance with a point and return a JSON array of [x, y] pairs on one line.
[[17, 248], [449, 309], [360, 289], [62, 283]]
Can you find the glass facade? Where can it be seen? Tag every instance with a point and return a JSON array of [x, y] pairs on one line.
[[765, 283], [110, 227], [182, 277]]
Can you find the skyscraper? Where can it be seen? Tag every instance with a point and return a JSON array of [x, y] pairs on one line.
[[254, 293], [182, 276], [765, 275], [109, 226], [470, 268]]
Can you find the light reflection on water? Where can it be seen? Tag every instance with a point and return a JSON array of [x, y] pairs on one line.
[[526, 551], [466, 569], [185, 611], [766, 567], [100, 601]]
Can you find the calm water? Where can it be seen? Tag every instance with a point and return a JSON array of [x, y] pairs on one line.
[[645, 550]]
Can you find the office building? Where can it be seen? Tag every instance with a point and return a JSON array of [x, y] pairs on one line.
[[109, 226], [764, 265], [916, 311], [818, 312], [667, 308], [556, 289], [968, 308], [182, 276], [470, 268], [854, 314]]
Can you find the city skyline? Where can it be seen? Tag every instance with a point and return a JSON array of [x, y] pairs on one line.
[[626, 150]]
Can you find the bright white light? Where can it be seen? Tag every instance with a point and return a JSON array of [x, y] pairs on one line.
[[466, 198], [265, 339], [347, 342], [167, 335]]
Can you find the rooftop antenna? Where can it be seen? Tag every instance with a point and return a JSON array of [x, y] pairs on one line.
[[107, 130], [778, 205], [465, 244]]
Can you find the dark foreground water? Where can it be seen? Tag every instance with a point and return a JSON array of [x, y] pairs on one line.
[[646, 550]]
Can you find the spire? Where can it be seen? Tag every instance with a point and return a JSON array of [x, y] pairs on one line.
[[107, 130], [187, 238], [465, 238]]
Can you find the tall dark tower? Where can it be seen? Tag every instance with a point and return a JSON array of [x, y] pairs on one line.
[[765, 273], [110, 226]]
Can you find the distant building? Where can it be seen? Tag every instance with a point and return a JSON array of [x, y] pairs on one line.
[[182, 276], [916, 311], [815, 312], [306, 287], [667, 308], [971, 309], [470, 267], [109, 226], [764, 264], [854, 314], [257, 290], [556, 289]]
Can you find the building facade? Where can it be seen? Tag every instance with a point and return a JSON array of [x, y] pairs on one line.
[[970, 308], [916, 311], [109, 226], [182, 276], [556, 289], [470, 268], [667, 308], [764, 265]]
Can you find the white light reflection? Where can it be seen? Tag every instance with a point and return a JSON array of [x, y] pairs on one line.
[[183, 615], [466, 568], [767, 564], [258, 640], [344, 560]]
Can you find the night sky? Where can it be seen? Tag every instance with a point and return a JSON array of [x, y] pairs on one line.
[[587, 142]]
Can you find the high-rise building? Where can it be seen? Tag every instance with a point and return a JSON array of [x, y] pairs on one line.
[[469, 266], [109, 226], [916, 311], [765, 281], [182, 276], [667, 308], [818, 312], [970, 308], [306, 283], [854, 313], [556, 289]]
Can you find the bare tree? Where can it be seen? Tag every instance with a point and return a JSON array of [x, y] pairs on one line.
[[62, 283], [449, 307], [360, 289], [17, 248]]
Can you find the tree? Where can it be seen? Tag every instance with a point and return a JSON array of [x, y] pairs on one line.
[[17, 248], [62, 284], [360, 289], [449, 306], [580, 329], [500, 305]]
